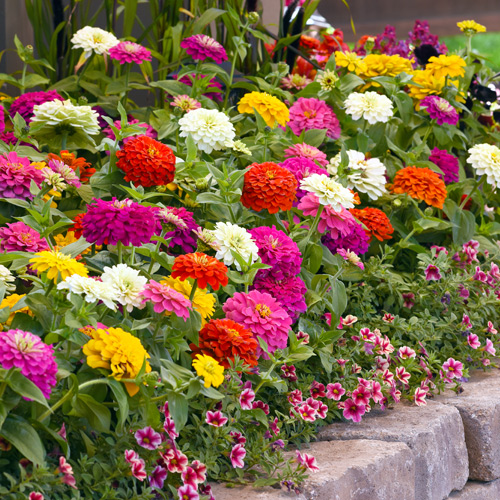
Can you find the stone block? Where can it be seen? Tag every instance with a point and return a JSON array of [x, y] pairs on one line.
[[434, 433], [348, 470], [478, 491], [479, 407]]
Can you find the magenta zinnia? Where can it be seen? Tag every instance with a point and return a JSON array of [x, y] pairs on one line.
[[19, 237], [357, 241], [36, 360], [305, 151], [25, 103], [439, 109], [166, 299], [16, 175], [312, 113], [130, 52], [201, 47], [108, 222], [301, 168], [447, 163], [179, 224]]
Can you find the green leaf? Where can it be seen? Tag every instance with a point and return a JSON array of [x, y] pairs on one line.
[[463, 226], [315, 137], [99, 417], [206, 18], [26, 388], [76, 248], [22, 436], [178, 407], [121, 399]]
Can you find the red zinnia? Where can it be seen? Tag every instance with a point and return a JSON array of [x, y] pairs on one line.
[[377, 223], [267, 185], [80, 165], [146, 162], [200, 267], [223, 339], [77, 227]]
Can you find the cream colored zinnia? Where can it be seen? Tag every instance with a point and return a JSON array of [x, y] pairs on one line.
[[485, 159], [371, 106], [328, 191], [128, 283], [93, 40]]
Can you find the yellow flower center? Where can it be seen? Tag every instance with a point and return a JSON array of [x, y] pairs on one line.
[[270, 174], [263, 310], [232, 332], [152, 151], [310, 114]]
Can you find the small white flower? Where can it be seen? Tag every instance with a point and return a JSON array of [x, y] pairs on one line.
[[93, 40], [92, 289], [7, 279], [371, 106], [210, 129], [328, 191], [327, 79], [233, 237], [128, 283], [367, 176], [485, 159]]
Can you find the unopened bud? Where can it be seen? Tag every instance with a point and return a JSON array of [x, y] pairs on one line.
[[396, 202], [253, 17], [283, 67], [429, 211]]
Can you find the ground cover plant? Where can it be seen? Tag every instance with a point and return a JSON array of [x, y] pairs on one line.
[[217, 241]]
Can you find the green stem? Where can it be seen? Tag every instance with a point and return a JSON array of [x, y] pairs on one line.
[[23, 78], [193, 290], [3, 386], [120, 252], [127, 74], [64, 140], [157, 248], [266, 375], [474, 189], [50, 286], [231, 213], [132, 256], [314, 225]]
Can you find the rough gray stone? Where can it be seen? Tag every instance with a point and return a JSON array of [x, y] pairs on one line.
[[349, 470], [478, 491], [434, 433], [479, 407]]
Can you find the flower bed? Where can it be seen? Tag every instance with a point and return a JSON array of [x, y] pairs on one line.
[[191, 288]]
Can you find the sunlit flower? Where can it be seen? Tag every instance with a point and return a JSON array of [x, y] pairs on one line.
[[272, 110], [327, 79], [166, 299], [237, 455], [128, 284], [485, 159], [129, 52], [311, 114], [93, 40], [185, 103], [93, 290], [446, 65], [351, 61], [57, 264], [452, 368], [470, 27], [373, 107], [328, 191], [440, 109], [206, 270], [209, 369], [201, 47], [377, 223]]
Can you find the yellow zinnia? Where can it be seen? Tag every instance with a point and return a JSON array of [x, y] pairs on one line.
[[425, 83], [351, 61], [203, 301], [385, 65], [272, 110], [119, 351], [443, 66], [57, 263], [10, 302], [470, 27], [210, 369]]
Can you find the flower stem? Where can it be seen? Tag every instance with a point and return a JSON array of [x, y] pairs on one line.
[[474, 189], [120, 252], [314, 225], [64, 140], [157, 248], [193, 290]]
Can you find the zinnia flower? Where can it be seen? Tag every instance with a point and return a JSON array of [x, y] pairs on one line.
[[179, 224], [421, 184], [204, 269], [311, 113], [373, 107], [301, 168], [128, 284], [108, 222], [57, 264], [262, 315], [470, 27], [166, 299], [268, 186], [201, 47], [93, 40], [447, 163], [19, 237], [426, 83], [185, 103], [272, 110], [446, 65], [146, 162], [305, 151], [79, 165], [94, 290], [129, 52], [328, 191], [351, 61], [208, 368], [376, 222], [223, 339], [7, 279], [357, 241], [440, 109], [485, 159], [25, 103], [16, 174], [120, 352], [66, 173], [11, 301], [36, 360], [210, 129]]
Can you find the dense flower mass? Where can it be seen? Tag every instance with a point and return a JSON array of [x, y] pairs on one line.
[[328, 191], [272, 110], [377, 223], [19, 237], [201, 47], [166, 299], [24, 104], [301, 167], [306, 151], [179, 224], [356, 240], [204, 269], [312, 113], [16, 174]]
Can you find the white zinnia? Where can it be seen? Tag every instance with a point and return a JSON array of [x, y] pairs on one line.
[[92, 289], [371, 106], [367, 176], [210, 129], [233, 237], [485, 159], [128, 283], [93, 40], [7, 279], [328, 191]]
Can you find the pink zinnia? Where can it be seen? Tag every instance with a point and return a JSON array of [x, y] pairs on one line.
[[357, 241], [185, 103], [301, 168], [148, 438], [262, 315], [308, 461], [311, 113], [353, 411], [24, 350], [306, 151], [188, 492], [65, 171], [215, 418], [201, 47], [432, 273], [34, 495], [157, 477], [440, 109], [25, 103], [166, 299], [237, 455], [16, 175], [19, 237], [108, 222], [130, 52], [447, 163], [334, 391], [453, 368]]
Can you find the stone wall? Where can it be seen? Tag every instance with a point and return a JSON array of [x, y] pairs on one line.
[[449, 449]]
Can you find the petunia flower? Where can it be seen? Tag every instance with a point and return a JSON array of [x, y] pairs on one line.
[[237, 455]]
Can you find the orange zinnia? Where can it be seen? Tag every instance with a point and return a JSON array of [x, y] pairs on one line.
[[376, 222], [202, 268], [79, 165], [223, 339], [77, 227], [267, 185], [421, 184], [146, 162]]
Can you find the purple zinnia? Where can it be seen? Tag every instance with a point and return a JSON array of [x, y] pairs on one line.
[[278, 250], [447, 163], [212, 84], [19, 237], [440, 109], [108, 222], [24, 104], [180, 224], [24, 350], [16, 175], [201, 47], [289, 292], [130, 52], [301, 168], [356, 241], [312, 113]]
